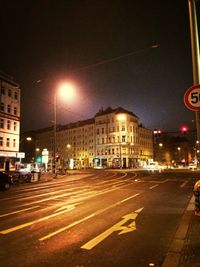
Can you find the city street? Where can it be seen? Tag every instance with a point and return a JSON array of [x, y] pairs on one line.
[[93, 219]]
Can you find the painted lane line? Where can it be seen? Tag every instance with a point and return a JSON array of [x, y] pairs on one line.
[[111, 180], [184, 183], [86, 218], [17, 211], [18, 227], [153, 186]]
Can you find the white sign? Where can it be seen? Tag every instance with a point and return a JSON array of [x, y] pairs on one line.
[[20, 155], [45, 156], [45, 152], [192, 98]]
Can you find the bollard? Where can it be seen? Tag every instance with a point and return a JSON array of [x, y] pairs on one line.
[[197, 198]]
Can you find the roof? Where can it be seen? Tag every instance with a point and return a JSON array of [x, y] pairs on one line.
[[117, 110]]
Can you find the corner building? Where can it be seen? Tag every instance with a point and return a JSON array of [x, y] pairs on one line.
[[120, 140], [9, 121], [113, 138]]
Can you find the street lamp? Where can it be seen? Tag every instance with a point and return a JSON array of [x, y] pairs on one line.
[[65, 90], [121, 118]]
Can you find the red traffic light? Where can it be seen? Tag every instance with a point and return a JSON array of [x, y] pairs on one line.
[[184, 129]]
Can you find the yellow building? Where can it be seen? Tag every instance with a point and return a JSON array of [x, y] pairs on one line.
[[120, 140], [114, 138]]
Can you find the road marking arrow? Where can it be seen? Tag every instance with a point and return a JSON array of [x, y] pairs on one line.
[[117, 227]]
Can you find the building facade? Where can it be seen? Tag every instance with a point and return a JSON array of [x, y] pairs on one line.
[[114, 138], [9, 121], [174, 150]]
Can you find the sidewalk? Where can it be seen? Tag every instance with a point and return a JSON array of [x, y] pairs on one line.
[[184, 250], [191, 251]]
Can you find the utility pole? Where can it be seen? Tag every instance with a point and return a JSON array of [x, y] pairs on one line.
[[195, 54]]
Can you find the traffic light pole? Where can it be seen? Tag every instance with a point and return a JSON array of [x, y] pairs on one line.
[[195, 54]]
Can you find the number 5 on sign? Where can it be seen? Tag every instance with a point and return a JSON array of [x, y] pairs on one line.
[[192, 98]]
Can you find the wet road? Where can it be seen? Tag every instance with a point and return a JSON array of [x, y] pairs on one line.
[[102, 218]]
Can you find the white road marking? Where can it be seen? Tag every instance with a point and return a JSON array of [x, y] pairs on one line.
[[184, 183], [86, 218], [153, 186], [18, 227], [117, 227], [17, 211]]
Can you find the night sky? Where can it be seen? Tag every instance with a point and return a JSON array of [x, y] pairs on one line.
[[105, 48]]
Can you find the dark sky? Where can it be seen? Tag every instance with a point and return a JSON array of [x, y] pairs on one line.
[[51, 41]]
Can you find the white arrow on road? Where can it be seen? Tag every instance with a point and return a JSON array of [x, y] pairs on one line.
[[117, 227]]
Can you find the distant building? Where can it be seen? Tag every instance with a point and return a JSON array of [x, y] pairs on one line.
[[173, 150], [9, 121], [113, 138]]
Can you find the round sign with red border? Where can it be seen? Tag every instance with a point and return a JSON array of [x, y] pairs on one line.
[[192, 98]]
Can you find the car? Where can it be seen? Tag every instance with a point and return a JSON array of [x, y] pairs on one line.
[[5, 181], [192, 166]]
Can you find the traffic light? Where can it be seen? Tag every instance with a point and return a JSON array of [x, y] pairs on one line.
[[57, 158], [184, 129]]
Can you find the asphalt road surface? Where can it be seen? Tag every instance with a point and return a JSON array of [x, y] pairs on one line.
[[95, 219]]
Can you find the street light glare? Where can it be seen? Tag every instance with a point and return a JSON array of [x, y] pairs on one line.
[[67, 91], [121, 117]]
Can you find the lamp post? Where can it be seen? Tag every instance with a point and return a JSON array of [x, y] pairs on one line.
[[121, 118], [195, 54], [54, 133], [64, 89]]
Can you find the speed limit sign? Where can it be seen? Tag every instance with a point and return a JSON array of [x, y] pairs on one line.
[[192, 98]]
